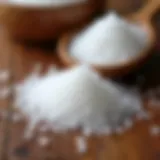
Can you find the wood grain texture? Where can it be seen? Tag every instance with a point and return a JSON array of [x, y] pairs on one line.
[[135, 144]]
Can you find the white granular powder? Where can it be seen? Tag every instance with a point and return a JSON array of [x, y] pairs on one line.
[[4, 76], [76, 98], [81, 144], [43, 141], [155, 130], [44, 3], [109, 40]]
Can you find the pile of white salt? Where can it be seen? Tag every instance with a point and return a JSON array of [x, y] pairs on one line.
[[108, 41], [76, 98]]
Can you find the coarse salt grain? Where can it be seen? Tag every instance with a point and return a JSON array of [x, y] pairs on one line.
[[155, 130], [109, 40], [81, 144], [43, 141], [4, 75], [75, 98]]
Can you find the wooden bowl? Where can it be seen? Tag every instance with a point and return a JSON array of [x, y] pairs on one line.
[[143, 18], [44, 22]]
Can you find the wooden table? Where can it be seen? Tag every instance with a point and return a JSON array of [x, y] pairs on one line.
[[135, 144]]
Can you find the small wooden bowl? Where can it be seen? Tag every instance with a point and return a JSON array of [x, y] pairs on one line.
[[28, 22], [143, 18]]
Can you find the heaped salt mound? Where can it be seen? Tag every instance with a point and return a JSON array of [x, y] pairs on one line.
[[77, 98], [109, 40]]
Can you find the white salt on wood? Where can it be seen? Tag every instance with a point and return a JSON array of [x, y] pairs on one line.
[[43, 141], [155, 130], [109, 40], [76, 98], [4, 76], [81, 144]]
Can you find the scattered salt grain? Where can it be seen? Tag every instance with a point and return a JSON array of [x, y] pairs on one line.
[[81, 144], [75, 98], [155, 130], [43, 141], [4, 75], [29, 130], [109, 40]]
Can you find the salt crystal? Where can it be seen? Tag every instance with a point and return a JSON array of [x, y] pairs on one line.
[[81, 144], [28, 132], [4, 76], [108, 41], [155, 130], [43, 141]]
